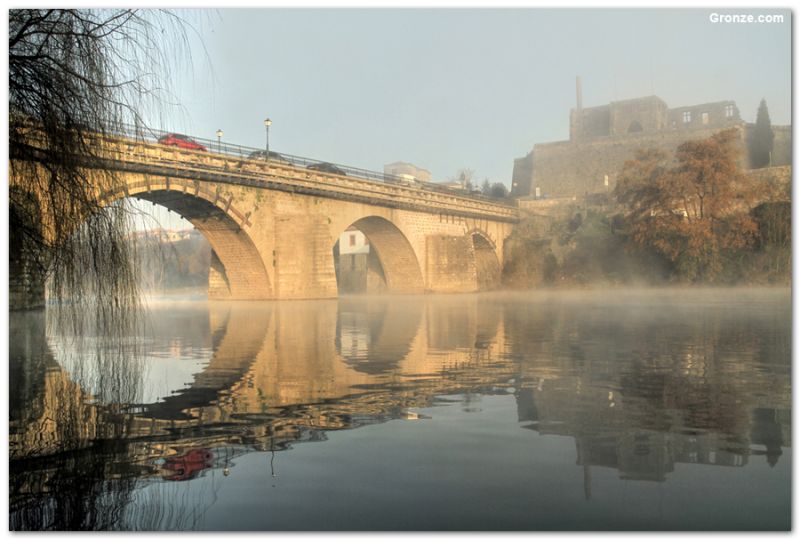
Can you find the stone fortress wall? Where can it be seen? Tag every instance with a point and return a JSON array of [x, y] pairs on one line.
[[603, 138]]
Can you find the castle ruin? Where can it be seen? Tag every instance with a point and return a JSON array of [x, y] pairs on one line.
[[603, 138]]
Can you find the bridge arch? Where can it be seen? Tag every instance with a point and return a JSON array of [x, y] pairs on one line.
[[487, 263], [399, 267], [237, 268]]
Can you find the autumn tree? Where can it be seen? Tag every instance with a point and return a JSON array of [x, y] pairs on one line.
[[693, 209], [762, 138]]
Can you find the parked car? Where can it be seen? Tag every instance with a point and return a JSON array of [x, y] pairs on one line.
[[188, 465], [326, 167], [182, 141], [273, 156]]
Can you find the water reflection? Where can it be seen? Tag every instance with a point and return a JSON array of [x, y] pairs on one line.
[[702, 379]]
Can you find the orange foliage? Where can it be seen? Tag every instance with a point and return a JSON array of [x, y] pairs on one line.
[[692, 209]]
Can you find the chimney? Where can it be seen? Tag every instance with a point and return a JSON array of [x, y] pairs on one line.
[[578, 93]]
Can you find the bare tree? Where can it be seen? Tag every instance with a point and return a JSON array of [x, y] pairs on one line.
[[73, 73]]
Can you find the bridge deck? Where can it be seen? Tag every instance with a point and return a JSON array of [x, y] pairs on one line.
[[136, 156]]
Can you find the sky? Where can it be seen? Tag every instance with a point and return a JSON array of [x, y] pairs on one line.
[[448, 88]]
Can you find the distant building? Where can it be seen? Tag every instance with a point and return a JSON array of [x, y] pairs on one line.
[[602, 138], [353, 242], [358, 270], [168, 235], [401, 168], [453, 184]]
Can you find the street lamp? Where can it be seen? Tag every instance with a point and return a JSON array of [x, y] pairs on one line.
[[219, 141], [267, 123]]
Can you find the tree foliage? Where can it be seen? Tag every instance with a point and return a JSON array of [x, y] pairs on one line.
[[762, 138], [73, 72], [692, 210], [496, 190]]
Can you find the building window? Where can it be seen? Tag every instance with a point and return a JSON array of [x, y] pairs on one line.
[[728, 111], [687, 117], [704, 117], [352, 239]]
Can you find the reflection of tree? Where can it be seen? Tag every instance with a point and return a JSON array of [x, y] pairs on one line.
[[78, 485], [688, 382], [638, 389]]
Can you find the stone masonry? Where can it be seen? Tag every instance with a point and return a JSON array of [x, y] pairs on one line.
[[603, 138], [272, 227]]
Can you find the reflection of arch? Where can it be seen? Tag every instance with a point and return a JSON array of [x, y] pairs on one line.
[[397, 259], [374, 337], [635, 127], [237, 259], [487, 265], [236, 342]]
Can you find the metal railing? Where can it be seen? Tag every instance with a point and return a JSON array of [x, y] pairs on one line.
[[148, 135]]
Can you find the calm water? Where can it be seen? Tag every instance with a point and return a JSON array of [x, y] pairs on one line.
[[593, 410]]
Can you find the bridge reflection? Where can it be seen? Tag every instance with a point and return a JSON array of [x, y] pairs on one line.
[[713, 390]]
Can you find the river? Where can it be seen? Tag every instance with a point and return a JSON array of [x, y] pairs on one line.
[[569, 410]]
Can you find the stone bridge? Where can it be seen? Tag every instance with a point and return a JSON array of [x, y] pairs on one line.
[[273, 226]]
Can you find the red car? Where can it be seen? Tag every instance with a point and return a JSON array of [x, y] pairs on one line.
[[182, 141], [187, 466]]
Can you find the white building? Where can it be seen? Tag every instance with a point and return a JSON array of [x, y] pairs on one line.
[[353, 242], [407, 170]]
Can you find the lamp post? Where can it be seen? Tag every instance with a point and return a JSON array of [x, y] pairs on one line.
[[219, 141], [267, 123]]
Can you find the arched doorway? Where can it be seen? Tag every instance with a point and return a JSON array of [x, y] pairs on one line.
[[635, 127]]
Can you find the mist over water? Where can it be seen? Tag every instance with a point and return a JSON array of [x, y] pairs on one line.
[[587, 409]]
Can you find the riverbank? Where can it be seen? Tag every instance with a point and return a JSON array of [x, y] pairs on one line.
[[591, 246]]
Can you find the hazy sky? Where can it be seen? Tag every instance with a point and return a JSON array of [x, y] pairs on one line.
[[452, 88]]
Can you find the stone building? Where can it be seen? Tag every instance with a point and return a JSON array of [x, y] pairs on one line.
[[602, 138], [401, 168]]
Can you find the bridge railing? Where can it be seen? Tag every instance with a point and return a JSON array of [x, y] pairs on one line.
[[149, 135]]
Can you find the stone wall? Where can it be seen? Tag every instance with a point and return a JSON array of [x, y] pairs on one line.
[[717, 116], [603, 138], [579, 168], [638, 115], [450, 264], [273, 227], [566, 169], [26, 280], [26, 285], [782, 146], [218, 287], [774, 183]]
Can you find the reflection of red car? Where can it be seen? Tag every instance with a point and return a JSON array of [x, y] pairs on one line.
[[182, 141], [187, 466]]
